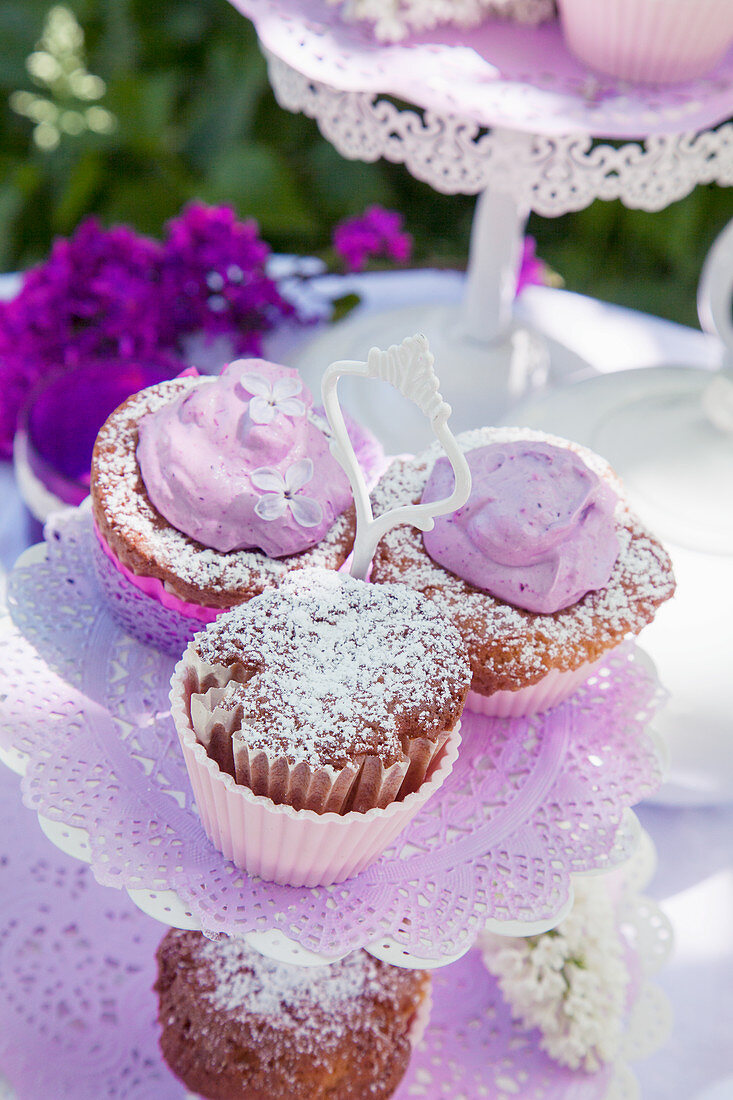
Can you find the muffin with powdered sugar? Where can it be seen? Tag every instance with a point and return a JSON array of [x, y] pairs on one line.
[[206, 491], [324, 698], [235, 1024]]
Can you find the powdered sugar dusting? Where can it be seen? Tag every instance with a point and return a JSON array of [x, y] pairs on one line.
[[271, 1029], [133, 521], [511, 647], [244, 979], [331, 668]]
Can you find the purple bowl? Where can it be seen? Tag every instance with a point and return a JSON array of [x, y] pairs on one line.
[[59, 424]]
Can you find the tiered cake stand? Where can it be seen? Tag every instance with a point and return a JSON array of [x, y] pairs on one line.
[[529, 803], [505, 112]]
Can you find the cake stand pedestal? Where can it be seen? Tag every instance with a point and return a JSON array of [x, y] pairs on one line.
[[505, 112]]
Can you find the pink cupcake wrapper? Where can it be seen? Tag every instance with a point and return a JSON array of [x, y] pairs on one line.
[[154, 587], [653, 41], [361, 785], [138, 612], [287, 846], [553, 688]]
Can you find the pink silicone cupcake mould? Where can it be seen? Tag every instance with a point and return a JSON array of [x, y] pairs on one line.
[[287, 846], [554, 688], [651, 41]]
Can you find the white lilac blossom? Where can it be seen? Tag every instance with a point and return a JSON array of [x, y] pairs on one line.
[[270, 399], [571, 983], [395, 19], [280, 493]]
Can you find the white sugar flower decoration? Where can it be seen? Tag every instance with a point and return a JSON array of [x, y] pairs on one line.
[[280, 493], [270, 399]]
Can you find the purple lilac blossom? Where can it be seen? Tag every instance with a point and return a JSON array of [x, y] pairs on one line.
[[110, 294], [377, 233], [532, 271], [213, 278], [96, 297]]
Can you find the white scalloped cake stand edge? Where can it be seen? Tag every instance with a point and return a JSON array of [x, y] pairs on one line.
[[166, 906], [513, 173]]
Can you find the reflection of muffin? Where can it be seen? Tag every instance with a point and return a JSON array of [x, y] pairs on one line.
[[207, 491], [330, 702], [544, 570], [237, 1025]]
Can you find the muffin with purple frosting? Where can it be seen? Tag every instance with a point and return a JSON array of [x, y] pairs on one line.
[[206, 491], [545, 570]]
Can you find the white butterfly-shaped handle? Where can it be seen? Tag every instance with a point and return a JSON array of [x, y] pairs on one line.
[[409, 368]]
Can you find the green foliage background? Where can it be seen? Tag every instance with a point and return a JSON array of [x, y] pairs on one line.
[[196, 118]]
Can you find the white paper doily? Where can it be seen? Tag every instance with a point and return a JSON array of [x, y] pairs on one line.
[[537, 801]]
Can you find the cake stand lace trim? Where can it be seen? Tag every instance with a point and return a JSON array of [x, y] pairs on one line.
[[550, 174], [497, 74]]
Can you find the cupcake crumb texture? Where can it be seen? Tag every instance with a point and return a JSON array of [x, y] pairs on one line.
[[326, 669], [236, 1024]]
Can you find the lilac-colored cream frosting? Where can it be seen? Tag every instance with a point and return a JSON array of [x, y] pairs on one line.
[[537, 530], [239, 462]]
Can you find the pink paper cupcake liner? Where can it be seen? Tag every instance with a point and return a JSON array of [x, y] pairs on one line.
[[287, 846], [360, 785], [552, 689], [652, 41], [143, 606], [154, 587]]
